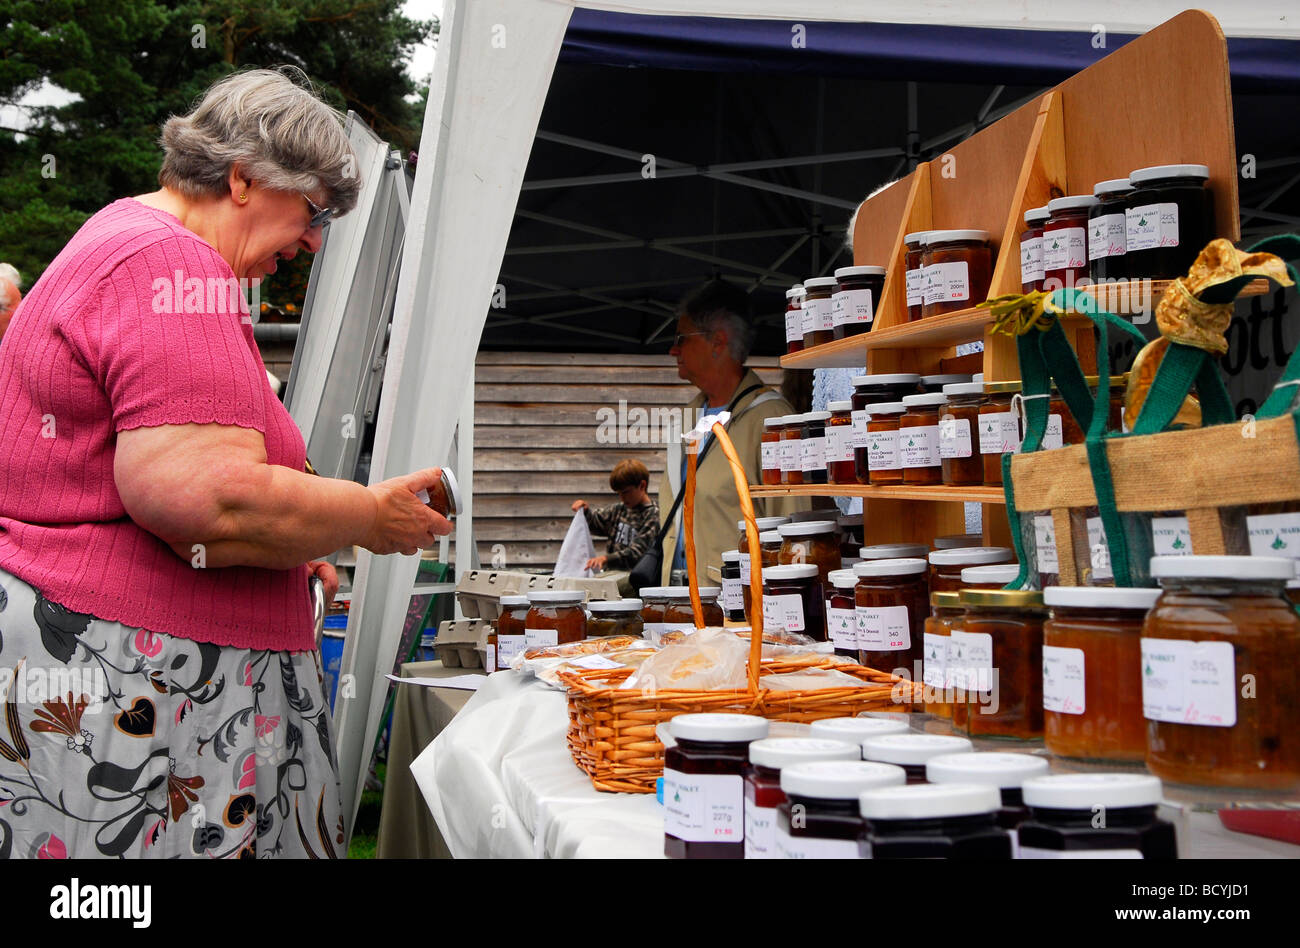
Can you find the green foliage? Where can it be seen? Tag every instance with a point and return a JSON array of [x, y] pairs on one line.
[[132, 63]]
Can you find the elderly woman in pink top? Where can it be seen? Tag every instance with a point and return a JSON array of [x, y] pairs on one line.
[[157, 529]]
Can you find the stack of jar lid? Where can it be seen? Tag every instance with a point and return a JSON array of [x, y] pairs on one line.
[[946, 271], [823, 309]]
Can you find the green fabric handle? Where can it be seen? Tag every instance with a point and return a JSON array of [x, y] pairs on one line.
[[1181, 366]]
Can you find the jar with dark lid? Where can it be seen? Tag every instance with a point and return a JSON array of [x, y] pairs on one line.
[[732, 601], [850, 539], [511, 630], [820, 818], [704, 784], [1063, 820], [958, 267], [933, 384], [944, 607], [811, 541], [1001, 648], [1222, 621], [1065, 242], [871, 390], [839, 444], [555, 617], [1107, 231], [841, 619], [891, 602], [856, 730], [763, 793], [1169, 218], [934, 821], [794, 319], [812, 450], [856, 298], [679, 614], [989, 577], [818, 315], [918, 439], [615, 617], [956, 541], [960, 462], [884, 465], [913, 272], [793, 600], [1006, 772], [1031, 250], [913, 751], [946, 565], [1092, 672], [999, 428], [791, 450], [770, 446]]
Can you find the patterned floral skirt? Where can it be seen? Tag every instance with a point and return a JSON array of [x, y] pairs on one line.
[[122, 742]]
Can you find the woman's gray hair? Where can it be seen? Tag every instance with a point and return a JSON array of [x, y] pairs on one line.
[[277, 130]]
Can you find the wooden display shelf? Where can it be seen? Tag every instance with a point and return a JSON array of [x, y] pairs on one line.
[[933, 493]]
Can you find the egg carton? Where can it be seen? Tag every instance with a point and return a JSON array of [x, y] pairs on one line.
[[462, 643]]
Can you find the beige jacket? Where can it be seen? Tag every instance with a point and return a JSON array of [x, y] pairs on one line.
[[717, 508]]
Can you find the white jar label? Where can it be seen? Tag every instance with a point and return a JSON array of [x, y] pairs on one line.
[[704, 808], [1098, 550], [1053, 436], [882, 451], [839, 443], [760, 831], [744, 567], [1275, 535], [1045, 545], [1064, 249], [852, 307], [812, 453], [540, 638], [1107, 236], [812, 847], [860, 418], [1031, 260], [771, 451], [954, 437], [784, 612], [1171, 536], [790, 454], [1150, 226], [843, 627], [1186, 682], [919, 446], [999, 433], [1031, 852], [915, 287], [508, 646], [947, 282], [817, 316], [793, 325], [732, 600], [971, 658], [490, 659], [934, 667], [807, 317], [883, 628], [1063, 680]]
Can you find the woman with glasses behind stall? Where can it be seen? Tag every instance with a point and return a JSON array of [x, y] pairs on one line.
[[157, 528]]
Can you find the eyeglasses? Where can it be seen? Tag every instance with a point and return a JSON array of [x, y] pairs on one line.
[[677, 339], [320, 216]]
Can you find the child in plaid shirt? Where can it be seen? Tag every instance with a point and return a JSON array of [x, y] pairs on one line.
[[631, 524]]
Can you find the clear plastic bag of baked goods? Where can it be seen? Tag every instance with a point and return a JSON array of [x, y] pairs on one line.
[[533, 659], [707, 660], [811, 679], [602, 661]]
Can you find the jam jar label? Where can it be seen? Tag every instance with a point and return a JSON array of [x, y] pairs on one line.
[[970, 656], [839, 443], [790, 454], [1063, 680], [1186, 682], [860, 417], [760, 831], [784, 612], [1049, 562], [813, 847], [1031, 260], [843, 627], [882, 451], [794, 325], [490, 658], [1053, 436], [934, 664], [999, 433], [1107, 236], [771, 451], [1275, 535], [919, 446], [852, 307], [508, 646], [1171, 536], [817, 316], [947, 282], [744, 567], [954, 437], [1099, 550], [732, 599], [1150, 226], [812, 453], [1065, 249], [915, 287], [883, 628], [540, 638], [704, 808]]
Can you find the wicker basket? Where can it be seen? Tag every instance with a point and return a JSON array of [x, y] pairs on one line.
[[612, 729]]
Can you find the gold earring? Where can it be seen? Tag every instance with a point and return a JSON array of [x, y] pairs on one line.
[[243, 198]]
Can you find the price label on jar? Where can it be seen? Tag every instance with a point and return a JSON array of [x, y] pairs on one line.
[[919, 446], [1099, 550], [839, 443], [704, 808], [1049, 563], [954, 437], [883, 628], [852, 307], [812, 847], [1151, 225], [732, 599], [1107, 236], [999, 433], [1171, 536], [539, 638], [771, 452], [790, 454], [971, 656], [744, 567], [1031, 260], [817, 316], [934, 664], [508, 646], [1065, 249], [793, 325], [843, 627], [882, 451], [1275, 535], [947, 282], [812, 453], [1052, 436], [1063, 680], [860, 418], [760, 831], [784, 612], [1186, 682]]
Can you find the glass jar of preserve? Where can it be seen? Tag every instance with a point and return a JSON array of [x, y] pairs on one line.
[[555, 617], [1031, 250], [1065, 242], [793, 600], [1006, 772], [1222, 621], [946, 565], [999, 428], [653, 601], [918, 439], [820, 817], [957, 268], [704, 784], [871, 390], [1092, 672], [915, 276], [1063, 820], [1169, 218], [841, 619], [679, 616], [811, 541], [989, 577], [960, 462], [839, 444], [856, 730], [934, 821], [913, 751], [763, 793], [933, 384], [955, 541], [884, 466], [812, 449], [944, 608], [794, 319], [891, 602], [769, 552], [791, 450], [856, 298], [818, 315], [1118, 385], [1107, 241], [850, 539], [511, 626], [615, 617], [732, 601], [764, 525], [1002, 641], [1062, 428], [771, 449]]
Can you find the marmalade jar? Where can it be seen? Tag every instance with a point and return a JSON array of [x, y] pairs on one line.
[[1031, 250], [999, 428], [811, 541], [944, 608], [918, 439], [914, 274], [957, 269], [884, 466], [792, 450], [769, 549], [856, 298], [891, 602], [818, 314], [794, 319], [1001, 641], [555, 617], [653, 600], [839, 444], [960, 462], [510, 630], [679, 615], [841, 617], [1065, 242], [871, 390], [771, 449]]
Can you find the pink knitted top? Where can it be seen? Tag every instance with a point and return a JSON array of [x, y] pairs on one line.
[[112, 337]]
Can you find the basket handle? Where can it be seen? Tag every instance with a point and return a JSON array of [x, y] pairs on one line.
[[751, 535]]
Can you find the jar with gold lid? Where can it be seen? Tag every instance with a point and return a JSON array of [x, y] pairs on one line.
[[1000, 650]]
